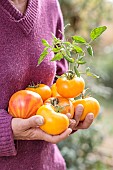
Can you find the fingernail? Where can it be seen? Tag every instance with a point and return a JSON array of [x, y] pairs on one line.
[[91, 116], [70, 131], [72, 121], [40, 121], [79, 108]]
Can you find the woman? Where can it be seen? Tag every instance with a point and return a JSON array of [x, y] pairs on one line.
[[23, 24]]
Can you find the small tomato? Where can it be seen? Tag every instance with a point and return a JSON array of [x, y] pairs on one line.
[[70, 87], [54, 90], [24, 104], [43, 90], [61, 104], [54, 123], [90, 104]]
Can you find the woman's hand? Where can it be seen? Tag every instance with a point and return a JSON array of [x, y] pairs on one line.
[[76, 124], [28, 129]]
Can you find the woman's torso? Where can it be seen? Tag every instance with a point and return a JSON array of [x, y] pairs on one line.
[[20, 48]]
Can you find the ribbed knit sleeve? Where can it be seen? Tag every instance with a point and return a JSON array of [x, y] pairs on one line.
[[7, 147]]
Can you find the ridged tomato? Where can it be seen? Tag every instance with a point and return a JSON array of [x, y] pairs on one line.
[[54, 123], [43, 90], [61, 104], [70, 87], [24, 104], [90, 104]]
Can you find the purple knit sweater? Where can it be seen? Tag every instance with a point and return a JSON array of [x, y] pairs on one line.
[[20, 47]]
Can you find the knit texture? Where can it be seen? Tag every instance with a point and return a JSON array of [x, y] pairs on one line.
[[7, 146], [20, 48]]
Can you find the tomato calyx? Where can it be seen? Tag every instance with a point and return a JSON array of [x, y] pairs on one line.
[[58, 108], [55, 103], [33, 85], [70, 75]]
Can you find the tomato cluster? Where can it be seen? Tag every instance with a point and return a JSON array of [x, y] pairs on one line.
[[52, 103]]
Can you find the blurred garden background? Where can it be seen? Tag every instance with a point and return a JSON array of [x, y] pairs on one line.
[[92, 149]]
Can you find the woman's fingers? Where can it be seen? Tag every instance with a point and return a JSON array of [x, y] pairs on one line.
[[75, 121], [72, 123], [76, 124], [28, 129], [78, 112], [21, 127], [57, 138], [86, 123], [31, 122]]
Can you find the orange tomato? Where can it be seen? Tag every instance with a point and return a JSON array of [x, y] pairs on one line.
[[60, 104], [43, 90], [24, 104], [90, 104], [54, 90], [54, 123], [70, 88]]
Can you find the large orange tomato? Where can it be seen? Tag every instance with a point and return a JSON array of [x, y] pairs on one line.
[[70, 87], [54, 90], [90, 104], [61, 104], [43, 90], [24, 103], [54, 123]]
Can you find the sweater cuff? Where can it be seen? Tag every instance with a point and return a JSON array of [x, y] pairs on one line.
[[7, 146]]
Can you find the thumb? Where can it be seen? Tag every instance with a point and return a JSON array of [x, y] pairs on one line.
[[33, 121]]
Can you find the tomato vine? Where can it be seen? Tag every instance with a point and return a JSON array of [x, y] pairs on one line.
[[65, 49]]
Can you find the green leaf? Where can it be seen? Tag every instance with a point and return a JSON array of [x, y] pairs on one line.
[[45, 43], [80, 61], [67, 52], [80, 58], [55, 50], [79, 39], [76, 71], [89, 73], [92, 75], [58, 56], [43, 55], [96, 32], [69, 59], [77, 49], [67, 43], [90, 50]]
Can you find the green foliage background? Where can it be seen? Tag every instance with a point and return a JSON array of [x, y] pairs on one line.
[[83, 16]]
